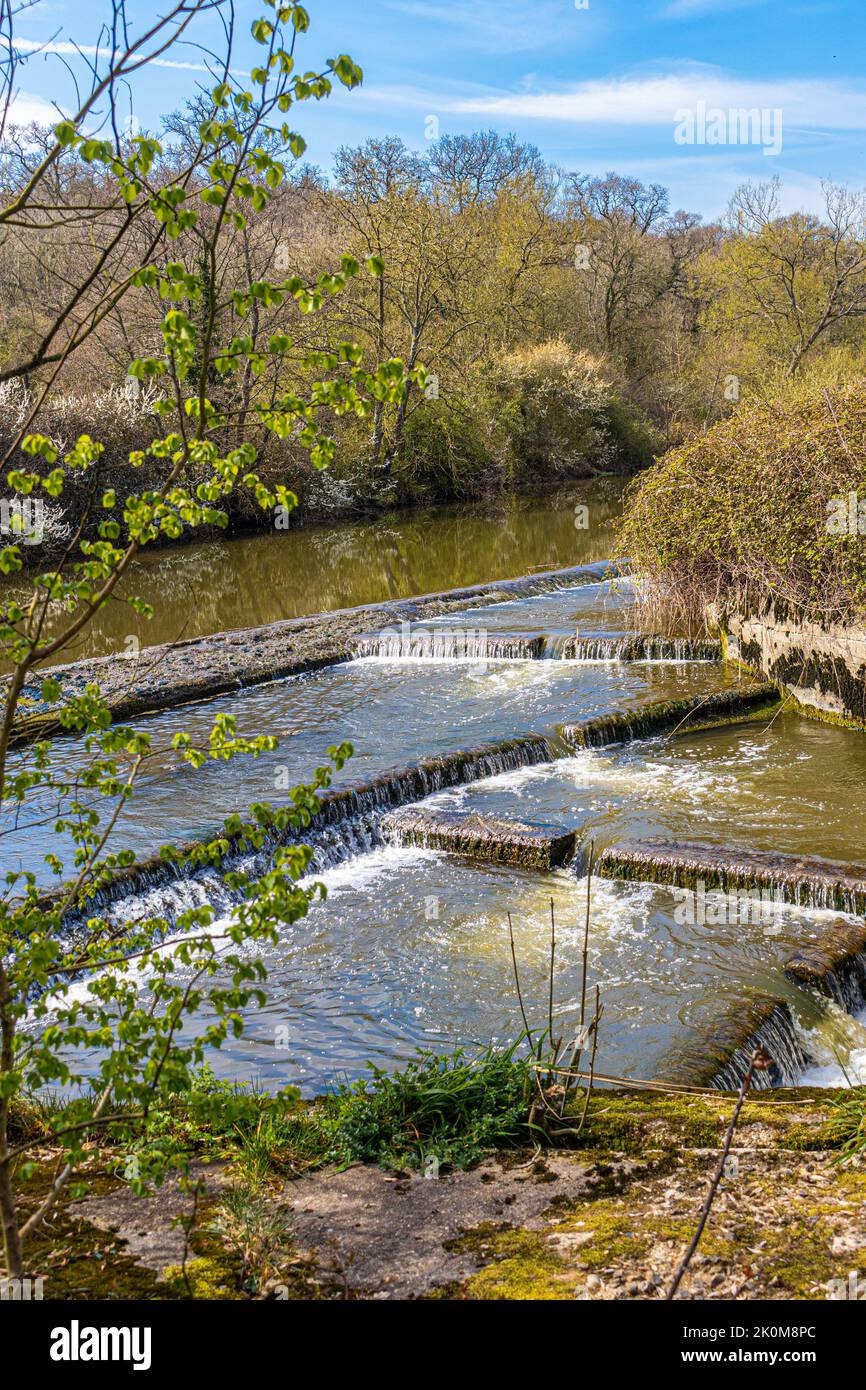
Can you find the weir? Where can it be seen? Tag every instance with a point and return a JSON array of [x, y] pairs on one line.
[[348, 823], [178, 673], [631, 647], [528, 846], [720, 1056], [477, 644], [370, 817], [449, 644], [835, 965], [775, 1032], [680, 716], [814, 883]]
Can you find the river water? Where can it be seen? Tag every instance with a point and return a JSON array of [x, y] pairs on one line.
[[216, 585], [411, 947]]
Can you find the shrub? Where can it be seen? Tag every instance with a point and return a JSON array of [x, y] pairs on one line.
[[448, 450], [538, 416], [563, 416], [747, 513]]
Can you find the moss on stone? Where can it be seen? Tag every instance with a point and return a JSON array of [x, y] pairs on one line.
[[634, 1122], [523, 1267], [208, 1277]]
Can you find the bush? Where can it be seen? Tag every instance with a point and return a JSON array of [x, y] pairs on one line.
[[536, 417], [539, 416], [744, 514], [452, 1107], [563, 415], [448, 450]]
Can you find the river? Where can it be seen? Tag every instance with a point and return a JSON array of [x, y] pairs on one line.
[[215, 585], [411, 947]]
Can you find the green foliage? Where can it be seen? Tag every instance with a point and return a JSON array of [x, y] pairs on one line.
[[255, 1232], [109, 1012], [781, 284], [562, 414], [848, 1124], [446, 450], [452, 1107], [541, 414], [748, 512]]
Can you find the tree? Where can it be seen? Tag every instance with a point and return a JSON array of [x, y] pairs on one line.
[[785, 283], [134, 1008], [475, 168], [388, 211], [627, 268]]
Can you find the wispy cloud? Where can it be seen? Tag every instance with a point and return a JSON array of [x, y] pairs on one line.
[[27, 108], [650, 99], [495, 25], [92, 50]]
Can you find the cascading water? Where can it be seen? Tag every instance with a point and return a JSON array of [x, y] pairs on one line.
[[780, 1039], [455, 644], [652, 960], [836, 1046], [443, 644], [631, 648], [347, 825]]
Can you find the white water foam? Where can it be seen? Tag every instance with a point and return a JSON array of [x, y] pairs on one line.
[[838, 1046]]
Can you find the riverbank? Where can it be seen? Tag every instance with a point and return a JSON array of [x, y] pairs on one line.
[[754, 531], [608, 1219]]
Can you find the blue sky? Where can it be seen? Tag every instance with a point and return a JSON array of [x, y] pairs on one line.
[[598, 85]]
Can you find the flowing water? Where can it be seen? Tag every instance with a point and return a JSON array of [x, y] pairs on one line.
[[411, 947], [392, 712], [785, 784]]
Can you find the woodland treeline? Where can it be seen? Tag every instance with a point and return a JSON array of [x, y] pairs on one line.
[[570, 323]]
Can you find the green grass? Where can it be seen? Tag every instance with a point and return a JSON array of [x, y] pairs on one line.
[[453, 1107], [849, 1123]]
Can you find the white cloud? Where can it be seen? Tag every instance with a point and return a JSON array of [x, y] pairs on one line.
[[651, 99], [27, 107], [90, 50]]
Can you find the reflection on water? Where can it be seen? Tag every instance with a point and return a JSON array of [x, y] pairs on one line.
[[213, 586]]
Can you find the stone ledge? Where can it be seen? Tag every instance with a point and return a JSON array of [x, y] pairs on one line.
[[686, 716], [487, 838], [201, 668]]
